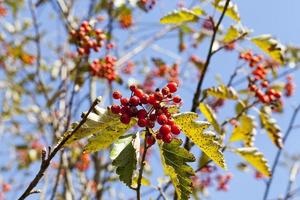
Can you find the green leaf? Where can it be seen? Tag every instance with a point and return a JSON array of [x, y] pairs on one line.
[[195, 130], [255, 158], [174, 159], [125, 155], [271, 126], [211, 117], [245, 131], [104, 128], [232, 10], [233, 33], [222, 92], [179, 16], [270, 46]]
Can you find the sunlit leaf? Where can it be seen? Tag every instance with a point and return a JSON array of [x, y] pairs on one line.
[[255, 158], [124, 156], [232, 10], [206, 140], [210, 115], [233, 33], [222, 92], [174, 159], [245, 131], [179, 16], [271, 126], [270, 46]]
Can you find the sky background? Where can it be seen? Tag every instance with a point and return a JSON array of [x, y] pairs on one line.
[[279, 18]]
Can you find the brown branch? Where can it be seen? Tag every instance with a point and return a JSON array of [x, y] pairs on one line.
[[46, 161]]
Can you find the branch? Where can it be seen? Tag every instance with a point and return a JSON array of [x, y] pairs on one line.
[[279, 151], [46, 161]]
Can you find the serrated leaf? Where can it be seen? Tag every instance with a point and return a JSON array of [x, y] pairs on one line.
[[255, 158], [179, 16], [174, 159], [222, 92], [270, 46], [233, 33], [124, 156], [245, 131], [271, 127], [206, 140], [211, 117], [232, 10], [104, 127]]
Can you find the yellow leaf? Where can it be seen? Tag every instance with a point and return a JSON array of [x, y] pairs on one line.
[[255, 158], [270, 46], [271, 127], [245, 131], [233, 33], [222, 92], [210, 116], [180, 16], [232, 10], [195, 130]]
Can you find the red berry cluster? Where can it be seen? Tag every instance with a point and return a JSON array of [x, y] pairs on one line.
[[149, 109], [84, 162], [290, 86], [3, 11], [258, 82], [87, 39], [104, 68]]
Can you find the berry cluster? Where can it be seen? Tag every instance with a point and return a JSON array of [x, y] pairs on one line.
[[290, 86], [104, 68], [3, 11], [87, 38], [258, 82], [149, 109], [84, 162]]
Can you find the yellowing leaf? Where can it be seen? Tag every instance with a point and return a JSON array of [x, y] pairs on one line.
[[124, 156], [179, 16], [104, 127], [270, 46], [232, 10], [195, 130], [222, 92], [210, 116], [198, 11], [271, 127], [245, 131], [174, 159], [233, 33], [255, 158]]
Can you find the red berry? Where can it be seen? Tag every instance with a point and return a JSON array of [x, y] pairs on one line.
[[144, 99], [151, 99], [159, 136], [165, 91], [165, 129], [153, 117], [277, 94], [125, 110], [158, 96], [265, 84], [132, 87], [142, 114], [175, 129], [150, 123], [172, 87], [150, 140], [170, 121], [125, 119], [124, 101], [116, 95], [115, 109], [162, 119], [176, 99], [142, 122], [134, 101], [167, 138], [139, 93]]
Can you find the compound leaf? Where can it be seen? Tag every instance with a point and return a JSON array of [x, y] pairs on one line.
[[174, 159]]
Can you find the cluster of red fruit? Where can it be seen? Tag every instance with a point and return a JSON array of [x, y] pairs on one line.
[[289, 86], [258, 82], [149, 109], [104, 68], [3, 11], [87, 38], [84, 162]]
